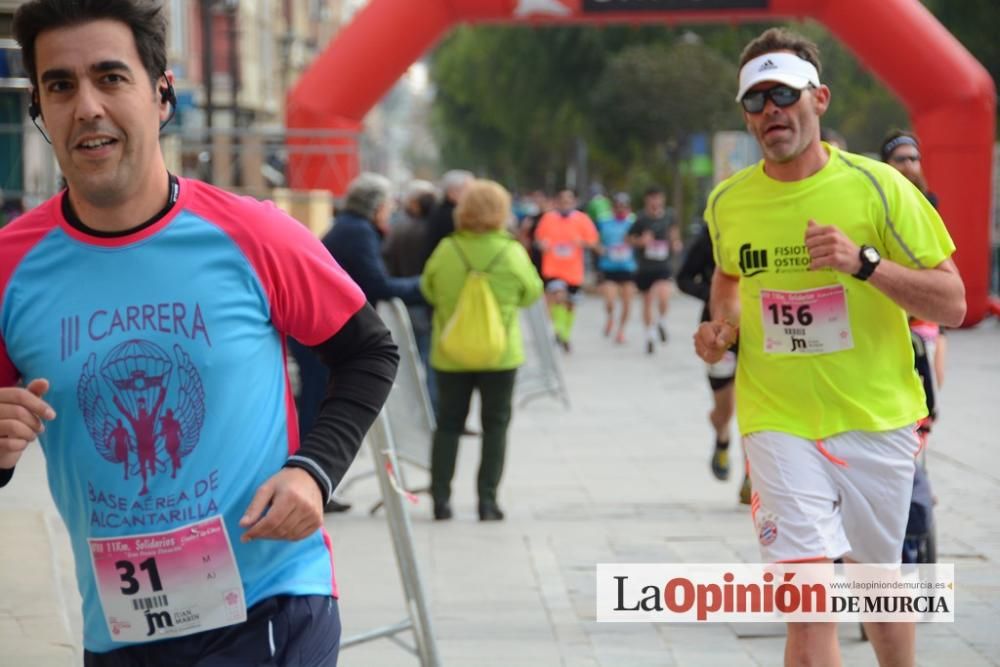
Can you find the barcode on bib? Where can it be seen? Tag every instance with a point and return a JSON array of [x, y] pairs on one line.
[[142, 604]]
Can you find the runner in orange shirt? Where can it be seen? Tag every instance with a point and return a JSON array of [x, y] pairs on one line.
[[562, 236]]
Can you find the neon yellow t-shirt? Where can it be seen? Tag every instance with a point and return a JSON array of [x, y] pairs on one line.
[[820, 351]]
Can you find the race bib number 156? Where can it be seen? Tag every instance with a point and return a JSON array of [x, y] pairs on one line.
[[806, 322]]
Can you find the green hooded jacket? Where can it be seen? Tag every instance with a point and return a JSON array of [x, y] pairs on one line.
[[513, 279]]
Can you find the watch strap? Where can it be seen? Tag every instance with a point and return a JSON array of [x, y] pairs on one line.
[[867, 266]]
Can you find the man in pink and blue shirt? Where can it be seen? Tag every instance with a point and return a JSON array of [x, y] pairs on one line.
[[145, 318]]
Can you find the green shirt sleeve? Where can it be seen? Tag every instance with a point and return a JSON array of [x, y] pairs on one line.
[[713, 233], [427, 277], [914, 234]]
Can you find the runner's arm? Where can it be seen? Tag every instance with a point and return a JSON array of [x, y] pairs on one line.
[[937, 294], [934, 294], [362, 359], [22, 415], [725, 298], [712, 339], [674, 236]]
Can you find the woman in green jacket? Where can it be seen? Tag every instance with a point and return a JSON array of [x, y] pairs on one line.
[[482, 243]]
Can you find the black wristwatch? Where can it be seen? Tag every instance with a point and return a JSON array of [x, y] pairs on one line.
[[870, 259]]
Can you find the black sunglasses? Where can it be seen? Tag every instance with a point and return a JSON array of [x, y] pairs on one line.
[[782, 96], [900, 159]]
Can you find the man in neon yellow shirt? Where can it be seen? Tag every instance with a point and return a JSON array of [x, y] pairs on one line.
[[820, 253]]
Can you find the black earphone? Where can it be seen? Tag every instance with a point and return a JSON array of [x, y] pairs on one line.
[[168, 96], [34, 110]]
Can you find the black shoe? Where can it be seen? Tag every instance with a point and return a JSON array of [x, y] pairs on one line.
[[442, 510], [650, 347], [663, 332], [334, 506], [490, 512]]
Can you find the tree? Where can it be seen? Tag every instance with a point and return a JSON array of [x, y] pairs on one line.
[[648, 102], [975, 24], [513, 102]]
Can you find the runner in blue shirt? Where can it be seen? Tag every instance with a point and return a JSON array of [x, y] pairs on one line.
[[146, 316], [617, 264]]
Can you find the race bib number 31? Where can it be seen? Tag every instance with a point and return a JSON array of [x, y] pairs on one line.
[[808, 322], [163, 585]]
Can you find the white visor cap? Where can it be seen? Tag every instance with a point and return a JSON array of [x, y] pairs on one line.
[[779, 66]]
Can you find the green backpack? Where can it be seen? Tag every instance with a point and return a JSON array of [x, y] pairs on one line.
[[475, 336]]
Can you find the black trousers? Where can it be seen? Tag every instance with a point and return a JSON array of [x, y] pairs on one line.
[[496, 389], [282, 631]]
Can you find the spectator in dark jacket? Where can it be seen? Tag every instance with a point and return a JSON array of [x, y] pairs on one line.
[[442, 220], [404, 245], [404, 256], [356, 241]]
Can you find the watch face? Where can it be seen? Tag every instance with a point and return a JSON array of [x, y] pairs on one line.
[[871, 254]]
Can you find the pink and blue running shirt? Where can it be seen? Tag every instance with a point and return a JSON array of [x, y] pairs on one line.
[[165, 350]]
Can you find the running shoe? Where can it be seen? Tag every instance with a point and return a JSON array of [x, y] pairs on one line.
[[663, 332], [745, 491], [720, 463]]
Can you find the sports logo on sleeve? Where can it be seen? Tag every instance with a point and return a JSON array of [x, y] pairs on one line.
[[143, 409]]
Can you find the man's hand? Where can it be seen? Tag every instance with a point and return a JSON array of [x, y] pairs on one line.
[[712, 339], [830, 248], [294, 507], [22, 412]]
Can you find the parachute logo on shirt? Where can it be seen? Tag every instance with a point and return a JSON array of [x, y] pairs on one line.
[[146, 435]]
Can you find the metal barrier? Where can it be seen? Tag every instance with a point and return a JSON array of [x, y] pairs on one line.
[[381, 444], [409, 405], [541, 374]]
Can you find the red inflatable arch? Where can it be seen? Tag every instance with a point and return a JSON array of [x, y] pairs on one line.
[[950, 97]]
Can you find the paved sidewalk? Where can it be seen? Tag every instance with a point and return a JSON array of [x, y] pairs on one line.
[[621, 477]]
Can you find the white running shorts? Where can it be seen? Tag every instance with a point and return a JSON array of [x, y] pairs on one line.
[[844, 496]]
